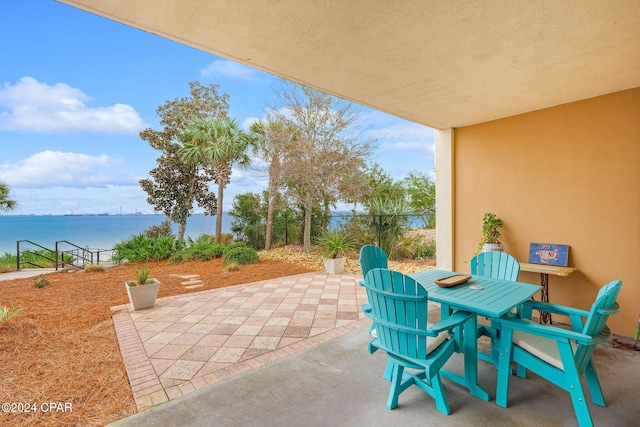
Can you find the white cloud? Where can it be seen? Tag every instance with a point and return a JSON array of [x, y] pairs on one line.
[[38, 107], [405, 136], [226, 68], [59, 168], [246, 123]]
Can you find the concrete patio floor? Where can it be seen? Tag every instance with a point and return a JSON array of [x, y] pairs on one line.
[[272, 374]]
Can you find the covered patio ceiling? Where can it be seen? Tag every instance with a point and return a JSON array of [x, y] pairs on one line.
[[442, 64]]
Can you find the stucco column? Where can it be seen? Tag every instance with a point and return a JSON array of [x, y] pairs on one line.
[[444, 156]]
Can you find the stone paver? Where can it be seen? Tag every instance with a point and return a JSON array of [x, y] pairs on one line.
[[187, 342]]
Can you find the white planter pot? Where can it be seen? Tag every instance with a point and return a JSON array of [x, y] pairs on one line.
[[143, 296], [488, 247], [334, 265]]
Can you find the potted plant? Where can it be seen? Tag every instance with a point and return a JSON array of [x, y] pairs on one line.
[[490, 234], [142, 291], [335, 244]]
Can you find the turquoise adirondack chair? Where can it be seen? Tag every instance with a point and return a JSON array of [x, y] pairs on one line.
[[399, 309], [560, 356], [496, 265], [371, 257]]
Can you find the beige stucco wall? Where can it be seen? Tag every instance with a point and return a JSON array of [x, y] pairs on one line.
[[569, 174]]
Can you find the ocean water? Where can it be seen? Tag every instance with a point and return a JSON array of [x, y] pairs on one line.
[[91, 231]]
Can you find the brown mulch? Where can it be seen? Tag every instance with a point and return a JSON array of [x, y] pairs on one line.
[[62, 347]]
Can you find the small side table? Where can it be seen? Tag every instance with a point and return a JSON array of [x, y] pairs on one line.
[[545, 271]]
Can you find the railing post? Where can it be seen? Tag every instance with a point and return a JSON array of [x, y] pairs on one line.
[[56, 258], [18, 255]]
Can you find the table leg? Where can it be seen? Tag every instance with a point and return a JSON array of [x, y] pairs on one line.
[[545, 317], [470, 355]]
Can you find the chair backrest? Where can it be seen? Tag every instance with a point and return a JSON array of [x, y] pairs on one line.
[[496, 265], [372, 257], [399, 309], [595, 325], [604, 306]]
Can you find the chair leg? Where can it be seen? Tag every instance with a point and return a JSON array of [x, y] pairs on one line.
[[438, 394], [396, 384], [574, 385], [594, 385]]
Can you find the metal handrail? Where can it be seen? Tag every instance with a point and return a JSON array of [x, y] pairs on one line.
[[87, 255], [18, 263], [78, 254]]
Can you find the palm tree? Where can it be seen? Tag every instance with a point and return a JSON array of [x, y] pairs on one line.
[[270, 139], [6, 205], [220, 143]]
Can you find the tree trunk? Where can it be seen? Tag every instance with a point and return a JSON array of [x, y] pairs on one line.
[[307, 230], [269, 231], [219, 213], [181, 230]]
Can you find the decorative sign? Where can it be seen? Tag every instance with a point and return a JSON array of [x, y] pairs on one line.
[[550, 254]]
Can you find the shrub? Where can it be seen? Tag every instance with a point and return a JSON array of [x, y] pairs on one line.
[[414, 246], [240, 255], [425, 250], [7, 267], [226, 238], [143, 248], [232, 266], [93, 267], [41, 281], [234, 245], [203, 248]]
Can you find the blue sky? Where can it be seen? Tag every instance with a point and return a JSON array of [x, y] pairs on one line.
[[76, 89]]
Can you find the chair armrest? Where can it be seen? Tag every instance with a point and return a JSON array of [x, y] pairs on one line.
[[361, 282], [456, 319], [609, 311], [547, 331], [555, 308]]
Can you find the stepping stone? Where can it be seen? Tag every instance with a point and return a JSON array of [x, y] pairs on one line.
[[191, 282], [193, 286]]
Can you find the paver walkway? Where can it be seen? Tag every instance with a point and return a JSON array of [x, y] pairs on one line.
[[190, 341]]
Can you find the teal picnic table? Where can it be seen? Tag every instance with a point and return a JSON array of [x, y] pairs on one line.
[[495, 299]]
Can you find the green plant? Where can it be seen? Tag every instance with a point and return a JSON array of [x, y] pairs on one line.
[[7, 267], [390, 217], [143, 248], [7, 313], [203, 248], [414, 246], [335, 243], [240, 255], [490, 232], [142, 276], [41, 281]]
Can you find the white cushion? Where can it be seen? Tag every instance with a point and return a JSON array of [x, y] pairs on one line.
[[432, 342], [541, 347]]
